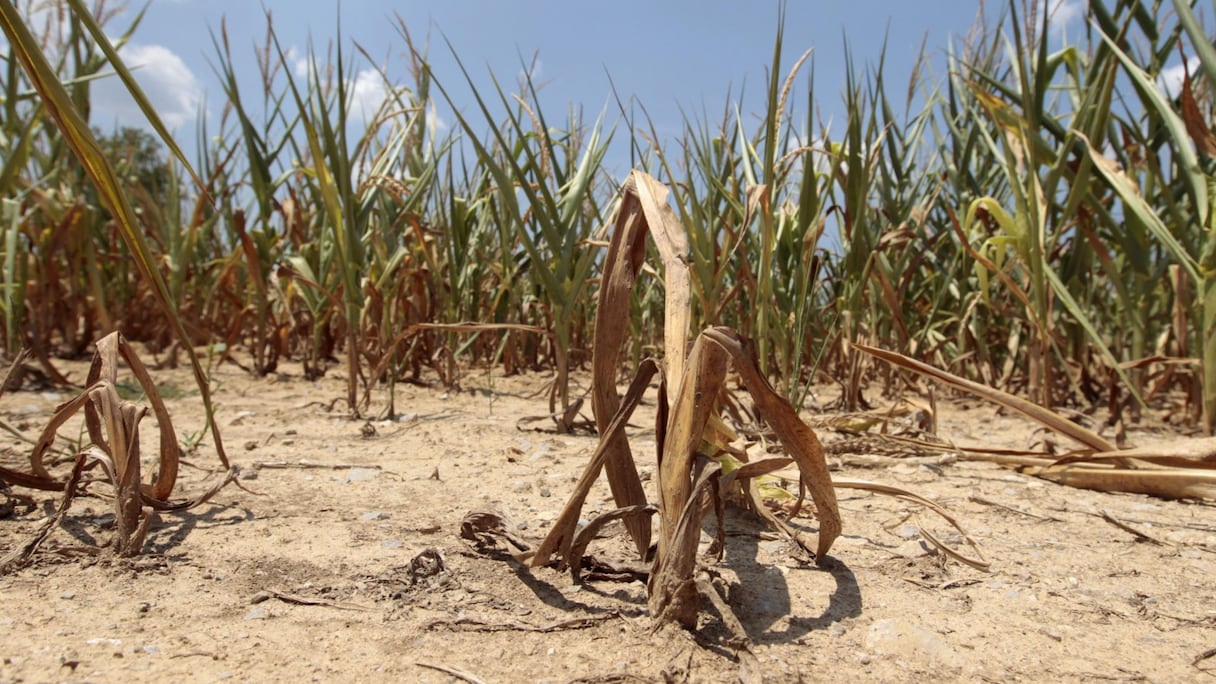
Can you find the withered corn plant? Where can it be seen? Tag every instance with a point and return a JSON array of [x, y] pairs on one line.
[[691, 482], [114, 447]]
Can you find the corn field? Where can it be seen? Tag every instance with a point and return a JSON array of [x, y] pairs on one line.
[[1035, 220]]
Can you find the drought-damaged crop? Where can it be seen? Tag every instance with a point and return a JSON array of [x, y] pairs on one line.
[[114, 448]]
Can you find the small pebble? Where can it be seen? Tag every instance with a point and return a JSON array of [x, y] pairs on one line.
[[361, 474]]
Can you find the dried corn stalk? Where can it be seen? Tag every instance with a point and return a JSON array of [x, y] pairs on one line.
[[113, 427], [101, 402], [689, 481], [684, 479]]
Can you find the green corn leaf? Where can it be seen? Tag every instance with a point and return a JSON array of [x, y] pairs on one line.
[[124, 74], [1187, 159], [1135, 203]]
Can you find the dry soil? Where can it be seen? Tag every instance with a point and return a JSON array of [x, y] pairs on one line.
[[343, 561]]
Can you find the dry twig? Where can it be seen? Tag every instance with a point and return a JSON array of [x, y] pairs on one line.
[[458, 674]]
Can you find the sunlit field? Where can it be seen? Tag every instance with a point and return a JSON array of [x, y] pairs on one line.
[[1025, 223]]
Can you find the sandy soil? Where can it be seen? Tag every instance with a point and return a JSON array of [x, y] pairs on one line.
[[348, 565]]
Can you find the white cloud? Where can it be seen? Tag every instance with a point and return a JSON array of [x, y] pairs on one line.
[[1065, 11], [367, 94], [1170, 79], [1062, 16], [173, 90], [299, 64]]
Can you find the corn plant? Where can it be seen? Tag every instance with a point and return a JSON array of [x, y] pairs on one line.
[[690, 482], [545, 183], [259, 245], [1036, 166], [1192, 147], [368, 195], [755, 206]]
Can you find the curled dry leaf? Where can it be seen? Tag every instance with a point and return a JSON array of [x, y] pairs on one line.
[[643, 210]]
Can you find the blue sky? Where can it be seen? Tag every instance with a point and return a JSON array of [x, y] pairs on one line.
[[674, 56]]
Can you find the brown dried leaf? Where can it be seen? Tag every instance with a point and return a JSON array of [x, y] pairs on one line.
[[561, 535], [1180, 453], [622, 263], [582, 540], [672, 243], [799, 440], [1174, 483], [1048, 419], [1196, 127]]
